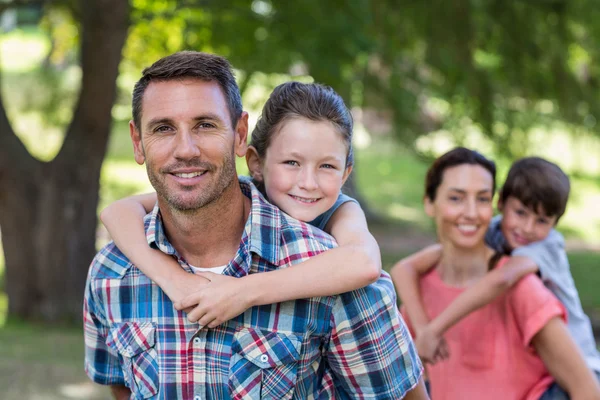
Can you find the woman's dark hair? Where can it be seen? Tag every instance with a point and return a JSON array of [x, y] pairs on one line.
[[306, 100], [453, 158]]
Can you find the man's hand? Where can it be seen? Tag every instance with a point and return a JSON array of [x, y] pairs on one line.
[[216, 302], [120, 392], [431, 346]]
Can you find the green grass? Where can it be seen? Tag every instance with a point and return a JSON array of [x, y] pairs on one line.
[[44, 363]]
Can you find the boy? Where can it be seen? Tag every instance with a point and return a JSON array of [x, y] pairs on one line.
[[532, 201]]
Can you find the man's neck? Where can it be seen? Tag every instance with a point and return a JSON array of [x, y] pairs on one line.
[[210, 236]]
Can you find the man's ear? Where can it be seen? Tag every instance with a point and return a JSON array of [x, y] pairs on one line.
[[241, 135], [347, 173], [255, 164], [429, 208], [138, 147]]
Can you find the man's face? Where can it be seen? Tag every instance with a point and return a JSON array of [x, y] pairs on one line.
[[522, 225], [187, 142]]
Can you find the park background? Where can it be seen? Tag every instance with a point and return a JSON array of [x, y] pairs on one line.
[[508, 78]]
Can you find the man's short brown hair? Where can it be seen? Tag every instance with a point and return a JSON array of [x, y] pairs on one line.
[[539, 185], [195, 65]]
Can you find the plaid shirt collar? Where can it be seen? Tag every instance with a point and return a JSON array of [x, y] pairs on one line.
[[261, 236]]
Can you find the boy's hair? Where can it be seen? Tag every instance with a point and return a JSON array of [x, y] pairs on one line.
[[453, 158], [190, 64], [305, 100], [536, 183]]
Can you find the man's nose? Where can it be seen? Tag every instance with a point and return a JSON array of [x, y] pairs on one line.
[[186, 145], [307, 179]]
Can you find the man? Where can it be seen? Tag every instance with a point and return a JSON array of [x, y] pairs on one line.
[[188, 124]]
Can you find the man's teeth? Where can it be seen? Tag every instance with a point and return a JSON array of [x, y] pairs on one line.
[[467, 228], [189, 175], [304, 199]]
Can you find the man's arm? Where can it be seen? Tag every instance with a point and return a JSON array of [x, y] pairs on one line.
[[418, 393], [120, 392], [370, 353]]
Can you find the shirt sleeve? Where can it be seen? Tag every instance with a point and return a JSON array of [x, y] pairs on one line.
[[370, 352], [548, 254], [101, 363], [533, 306]]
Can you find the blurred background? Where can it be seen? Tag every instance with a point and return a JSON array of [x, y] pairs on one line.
[[508, 78]]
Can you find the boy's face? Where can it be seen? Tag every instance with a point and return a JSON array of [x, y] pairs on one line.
[[522, 225]]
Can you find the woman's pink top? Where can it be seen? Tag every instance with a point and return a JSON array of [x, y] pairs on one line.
[[491, 356]]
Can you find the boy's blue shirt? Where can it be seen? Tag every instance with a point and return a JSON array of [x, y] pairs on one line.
[[551, 258]]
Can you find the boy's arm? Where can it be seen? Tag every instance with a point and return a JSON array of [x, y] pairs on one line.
[[493, 284], [406, 274], [352, 265], [124, 220], [565, 362]]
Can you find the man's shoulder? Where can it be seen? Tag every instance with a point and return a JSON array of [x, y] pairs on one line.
[[109, 263], [298, 233]]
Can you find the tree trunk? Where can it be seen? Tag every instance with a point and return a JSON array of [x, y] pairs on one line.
[[48, 210]]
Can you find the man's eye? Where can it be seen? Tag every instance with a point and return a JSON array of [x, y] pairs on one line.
[[162, 128], [206, 125]]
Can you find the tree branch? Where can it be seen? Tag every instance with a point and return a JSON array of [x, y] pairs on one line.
[[21, 3]]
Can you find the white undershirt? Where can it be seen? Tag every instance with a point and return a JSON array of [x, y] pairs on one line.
[[216, 270]]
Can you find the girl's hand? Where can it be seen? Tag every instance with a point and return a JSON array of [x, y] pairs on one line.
[[220, 300]]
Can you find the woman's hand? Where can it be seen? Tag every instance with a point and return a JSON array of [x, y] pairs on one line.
[[220, 300]]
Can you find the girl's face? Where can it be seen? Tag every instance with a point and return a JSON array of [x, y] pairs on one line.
[[304, 167], [463, 205]]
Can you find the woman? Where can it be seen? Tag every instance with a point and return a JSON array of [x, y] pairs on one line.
[[513, 348]]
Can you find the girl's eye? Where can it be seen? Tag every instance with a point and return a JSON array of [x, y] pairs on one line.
[[328, 166], [291, 162]]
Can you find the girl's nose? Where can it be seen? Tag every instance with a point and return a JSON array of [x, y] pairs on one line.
[[307, 180]]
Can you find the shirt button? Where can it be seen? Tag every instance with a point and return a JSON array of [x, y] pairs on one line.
[[197, 398], [264, 358], [196, 340], [129, 349]]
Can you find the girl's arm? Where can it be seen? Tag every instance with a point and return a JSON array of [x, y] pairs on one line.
[[564, 361], [124, 220], [354, 264]]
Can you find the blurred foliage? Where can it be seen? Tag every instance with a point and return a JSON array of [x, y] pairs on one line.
[[496, 68]]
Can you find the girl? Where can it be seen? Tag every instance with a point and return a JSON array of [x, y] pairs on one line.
[[300, 155], [517, 345]]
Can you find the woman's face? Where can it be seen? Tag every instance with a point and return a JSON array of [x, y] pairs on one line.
[[462, 208]]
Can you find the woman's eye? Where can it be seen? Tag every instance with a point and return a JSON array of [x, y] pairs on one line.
[[484, 200], [454, 198]]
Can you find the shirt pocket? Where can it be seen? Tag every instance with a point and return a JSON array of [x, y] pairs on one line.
[[264, 364], [135, 342]]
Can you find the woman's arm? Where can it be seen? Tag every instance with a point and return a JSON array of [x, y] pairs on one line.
[[493, 284], [354, 264], [565, 362], [124, 220]]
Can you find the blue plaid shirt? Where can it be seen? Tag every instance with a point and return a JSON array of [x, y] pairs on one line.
[[349, 346]]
